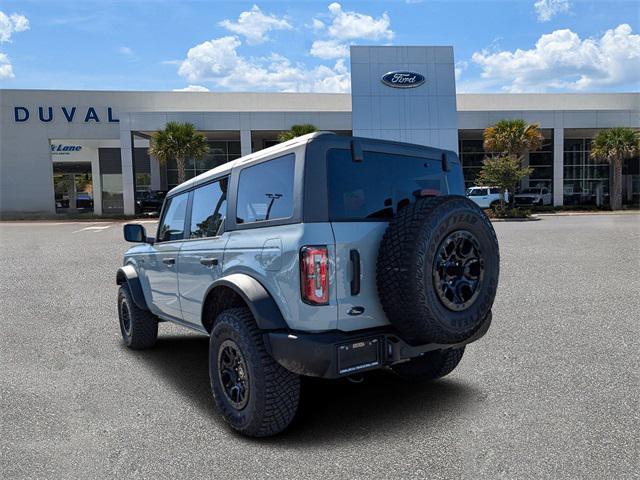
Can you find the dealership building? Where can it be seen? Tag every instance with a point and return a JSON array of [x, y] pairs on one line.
[[68, 151]]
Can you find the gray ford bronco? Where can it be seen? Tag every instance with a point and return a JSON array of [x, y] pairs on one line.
[[323, 256]]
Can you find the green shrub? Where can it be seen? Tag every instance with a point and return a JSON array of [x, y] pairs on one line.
[[500, 211]]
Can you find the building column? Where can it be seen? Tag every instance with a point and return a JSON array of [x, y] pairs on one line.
[[156, 181], [245, 142], [96, 182], [558, 167], [126, 157]]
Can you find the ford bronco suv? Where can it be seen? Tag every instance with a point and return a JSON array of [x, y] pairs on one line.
[[323, 256]]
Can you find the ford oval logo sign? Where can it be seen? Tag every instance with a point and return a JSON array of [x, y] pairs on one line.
[[401, 79]]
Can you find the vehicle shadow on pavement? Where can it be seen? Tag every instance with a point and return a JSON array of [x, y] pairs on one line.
[[183, 362], [330, 410], [383, 404]]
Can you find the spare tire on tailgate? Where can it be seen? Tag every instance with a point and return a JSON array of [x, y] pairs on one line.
[[437, 270]]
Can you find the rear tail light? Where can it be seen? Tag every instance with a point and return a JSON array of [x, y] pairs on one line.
[[314, 278]]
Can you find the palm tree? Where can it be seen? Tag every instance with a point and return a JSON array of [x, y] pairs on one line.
[[614, 146], [297, 131], [513, 138], [508, 141], [179, 141]]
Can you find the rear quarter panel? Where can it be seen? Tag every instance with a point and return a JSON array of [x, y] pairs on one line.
[[271, 256]]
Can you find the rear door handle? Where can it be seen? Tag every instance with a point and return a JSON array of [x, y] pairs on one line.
[[354, 255], [209, 262], [169, 261]]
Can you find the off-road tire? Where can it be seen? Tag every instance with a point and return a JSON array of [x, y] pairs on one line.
[[430, 366], [141, 329], [494, 204], [274, 392], [405, 270]]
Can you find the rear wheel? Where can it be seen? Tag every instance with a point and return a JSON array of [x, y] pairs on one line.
[[257, 396], [139, 327], [431, 365]]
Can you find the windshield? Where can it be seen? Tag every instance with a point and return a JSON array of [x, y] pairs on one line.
[[375, 188], [535, 191]]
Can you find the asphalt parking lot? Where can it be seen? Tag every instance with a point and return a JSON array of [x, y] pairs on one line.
[[551, 392]]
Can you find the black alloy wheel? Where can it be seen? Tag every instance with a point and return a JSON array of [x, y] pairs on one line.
[[233, 374], [458, 270]]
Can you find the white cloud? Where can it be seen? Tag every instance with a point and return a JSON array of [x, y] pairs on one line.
[[329, 49], [192, 88], [561, 60], [547, 9], [218, 61], [125, 51], [6, 70], [10, 24], [353, 25], [460, 67], [317, 25], [344, 27], [254, 25]]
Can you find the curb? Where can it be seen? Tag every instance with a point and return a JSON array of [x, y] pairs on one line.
[[526, 219], [577, 214]]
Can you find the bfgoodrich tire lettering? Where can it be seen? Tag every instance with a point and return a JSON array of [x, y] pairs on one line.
[[139, 327], [273, 392], [405, 269]]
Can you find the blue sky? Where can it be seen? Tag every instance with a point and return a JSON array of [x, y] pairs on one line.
[[500, 46]]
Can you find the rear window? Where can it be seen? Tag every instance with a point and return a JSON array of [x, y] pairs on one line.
[[375, 188], [265, 191]]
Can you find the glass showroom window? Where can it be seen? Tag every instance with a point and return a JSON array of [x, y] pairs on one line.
[[220, 151], [471, 155], [586, 181], [542, 163]]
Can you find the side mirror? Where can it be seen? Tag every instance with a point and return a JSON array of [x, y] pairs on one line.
[[135, 233]]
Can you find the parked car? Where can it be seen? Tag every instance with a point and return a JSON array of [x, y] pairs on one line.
[[533, 196], [150, 201], [486, 197], [62, 201], [323, 256], [84, 200]]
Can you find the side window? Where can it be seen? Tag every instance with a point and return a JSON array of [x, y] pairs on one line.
[[172, 225], [265, 191], [545, 191], [494, 191], [209, 209]]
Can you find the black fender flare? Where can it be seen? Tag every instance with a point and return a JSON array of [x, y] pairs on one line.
[[262, 305], [129, 275]]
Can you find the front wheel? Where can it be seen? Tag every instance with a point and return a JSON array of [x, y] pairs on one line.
[[139, 327], [431, 365], [257, 396]]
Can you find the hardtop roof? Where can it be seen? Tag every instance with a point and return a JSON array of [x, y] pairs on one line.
[[287, 146]]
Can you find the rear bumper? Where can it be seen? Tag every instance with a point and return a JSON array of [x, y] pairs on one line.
[[338, 354]]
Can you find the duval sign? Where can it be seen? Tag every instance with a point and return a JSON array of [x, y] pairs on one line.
[[403, 79], [69, 114]]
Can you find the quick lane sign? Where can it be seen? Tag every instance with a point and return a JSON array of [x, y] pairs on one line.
[[62, 149], [47, 114]]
